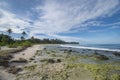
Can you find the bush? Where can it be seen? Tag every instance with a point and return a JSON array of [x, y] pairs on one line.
[[26, 44], [12, 45]]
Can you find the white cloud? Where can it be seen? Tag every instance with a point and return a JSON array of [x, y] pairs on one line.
[[113, 27], [64, 15], [70, 38], [60, 16], [10, 20]]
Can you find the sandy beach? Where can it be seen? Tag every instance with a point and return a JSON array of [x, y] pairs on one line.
[[27, 53], [53, 62]]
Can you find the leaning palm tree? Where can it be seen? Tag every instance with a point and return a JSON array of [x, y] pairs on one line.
[[22, 38], [32, 38], [9, 31], [24, 33]]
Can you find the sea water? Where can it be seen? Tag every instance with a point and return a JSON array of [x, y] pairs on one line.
[[104, 47]]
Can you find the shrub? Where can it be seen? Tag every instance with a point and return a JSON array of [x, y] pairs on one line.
[[12, 46], [26, 44]]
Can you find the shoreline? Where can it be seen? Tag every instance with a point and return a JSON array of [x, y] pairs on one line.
[[92, 48]]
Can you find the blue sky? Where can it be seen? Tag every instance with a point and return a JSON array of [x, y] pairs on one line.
[[85, 21]]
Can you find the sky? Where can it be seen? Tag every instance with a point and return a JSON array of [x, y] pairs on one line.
[[84, 21]]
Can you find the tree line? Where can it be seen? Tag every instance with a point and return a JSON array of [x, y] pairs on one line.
[[11, 42]]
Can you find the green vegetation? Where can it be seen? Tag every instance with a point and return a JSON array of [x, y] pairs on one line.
[[7, 40], [99, 71], [51, 60], [30, 68], [5, 53], [115, 77]]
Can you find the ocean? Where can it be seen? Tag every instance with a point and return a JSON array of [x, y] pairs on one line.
[[105, 47]]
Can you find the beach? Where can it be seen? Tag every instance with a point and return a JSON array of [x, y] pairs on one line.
[[56, 62]]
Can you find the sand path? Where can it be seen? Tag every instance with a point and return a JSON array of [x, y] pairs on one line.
[[27, 53]]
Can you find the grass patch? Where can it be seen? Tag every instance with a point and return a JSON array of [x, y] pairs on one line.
[[100, 72], [53, 55], [30, 68], [115, 77]]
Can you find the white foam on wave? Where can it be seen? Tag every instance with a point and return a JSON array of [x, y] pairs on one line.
[[92, 48]]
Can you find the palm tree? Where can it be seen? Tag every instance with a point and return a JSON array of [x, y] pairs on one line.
[[9, 31], [23, 33], [32, 38], [22, 38]]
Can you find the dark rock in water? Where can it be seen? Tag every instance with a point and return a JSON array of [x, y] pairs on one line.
[[96, 53], [106, 51], [70, 51], [116, 54], [100, 56], [65, 50]]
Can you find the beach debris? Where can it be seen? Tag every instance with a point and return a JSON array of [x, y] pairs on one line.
[[58, 60], [31, 59], [13, 70], [23, 53], [20, 60], [4, 63], [44, 49], [51, 60]]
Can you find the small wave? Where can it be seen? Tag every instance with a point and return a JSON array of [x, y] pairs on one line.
[[92, 48]]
